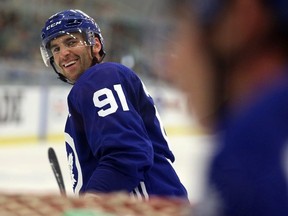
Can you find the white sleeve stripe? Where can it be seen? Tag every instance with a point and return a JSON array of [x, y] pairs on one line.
[[144, 191], [140, 192], [137, 193]]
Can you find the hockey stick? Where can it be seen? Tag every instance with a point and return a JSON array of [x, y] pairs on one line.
[[56, 170]]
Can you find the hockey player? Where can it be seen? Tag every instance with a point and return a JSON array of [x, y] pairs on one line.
[[244, 62], [115, 140]]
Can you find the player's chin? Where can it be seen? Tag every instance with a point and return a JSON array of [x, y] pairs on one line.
[[72, 80], [72, 76]]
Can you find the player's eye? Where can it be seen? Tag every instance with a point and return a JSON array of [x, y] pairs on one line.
[[72, 43], [55, 50]]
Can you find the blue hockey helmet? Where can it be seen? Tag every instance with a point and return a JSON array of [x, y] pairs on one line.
[[66, 22]]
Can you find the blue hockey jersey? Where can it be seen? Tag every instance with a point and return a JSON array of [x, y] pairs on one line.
[[114, 138], [250, 170]]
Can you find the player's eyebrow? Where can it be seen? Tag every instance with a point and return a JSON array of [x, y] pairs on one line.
[[65, 40]]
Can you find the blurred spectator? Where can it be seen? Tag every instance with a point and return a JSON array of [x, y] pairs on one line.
[[232, 63], [19, 40]]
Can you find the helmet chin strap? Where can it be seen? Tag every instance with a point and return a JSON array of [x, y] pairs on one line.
[[95, 60], [60, 76]]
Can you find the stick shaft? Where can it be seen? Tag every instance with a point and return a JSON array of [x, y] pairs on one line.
[[56, 170]]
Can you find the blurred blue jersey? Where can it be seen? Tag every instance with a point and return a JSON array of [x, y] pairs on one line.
[[249, 172], [114, 138]]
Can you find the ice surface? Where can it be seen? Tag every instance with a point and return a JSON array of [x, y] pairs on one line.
[[25, 167]]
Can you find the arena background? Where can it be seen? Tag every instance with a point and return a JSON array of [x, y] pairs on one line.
[[33, 101]]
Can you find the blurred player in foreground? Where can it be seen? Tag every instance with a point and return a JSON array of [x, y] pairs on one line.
[[233, 65], [115, 140]]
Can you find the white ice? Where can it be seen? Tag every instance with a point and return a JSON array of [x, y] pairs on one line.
[[25, 167]]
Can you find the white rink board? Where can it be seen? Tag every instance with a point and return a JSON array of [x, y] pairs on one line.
[[19, 111], [40, 112]]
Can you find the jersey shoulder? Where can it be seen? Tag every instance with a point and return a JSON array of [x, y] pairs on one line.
[[104, 76]]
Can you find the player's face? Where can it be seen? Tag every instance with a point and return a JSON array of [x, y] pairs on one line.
[[72, 55]]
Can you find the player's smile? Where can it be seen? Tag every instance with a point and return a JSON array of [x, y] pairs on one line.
[[71, 68], [69, 64]]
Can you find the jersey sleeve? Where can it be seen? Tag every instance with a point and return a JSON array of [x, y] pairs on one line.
[[113, 130], [248, 171]]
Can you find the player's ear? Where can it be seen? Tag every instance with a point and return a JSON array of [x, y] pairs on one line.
[[97, 46]]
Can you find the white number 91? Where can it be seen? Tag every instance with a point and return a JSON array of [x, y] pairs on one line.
[[105, 97]]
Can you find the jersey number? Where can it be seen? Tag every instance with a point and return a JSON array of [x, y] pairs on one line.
[[105, 98]]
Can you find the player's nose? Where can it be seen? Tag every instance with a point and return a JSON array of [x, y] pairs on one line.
[[64, 51]]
